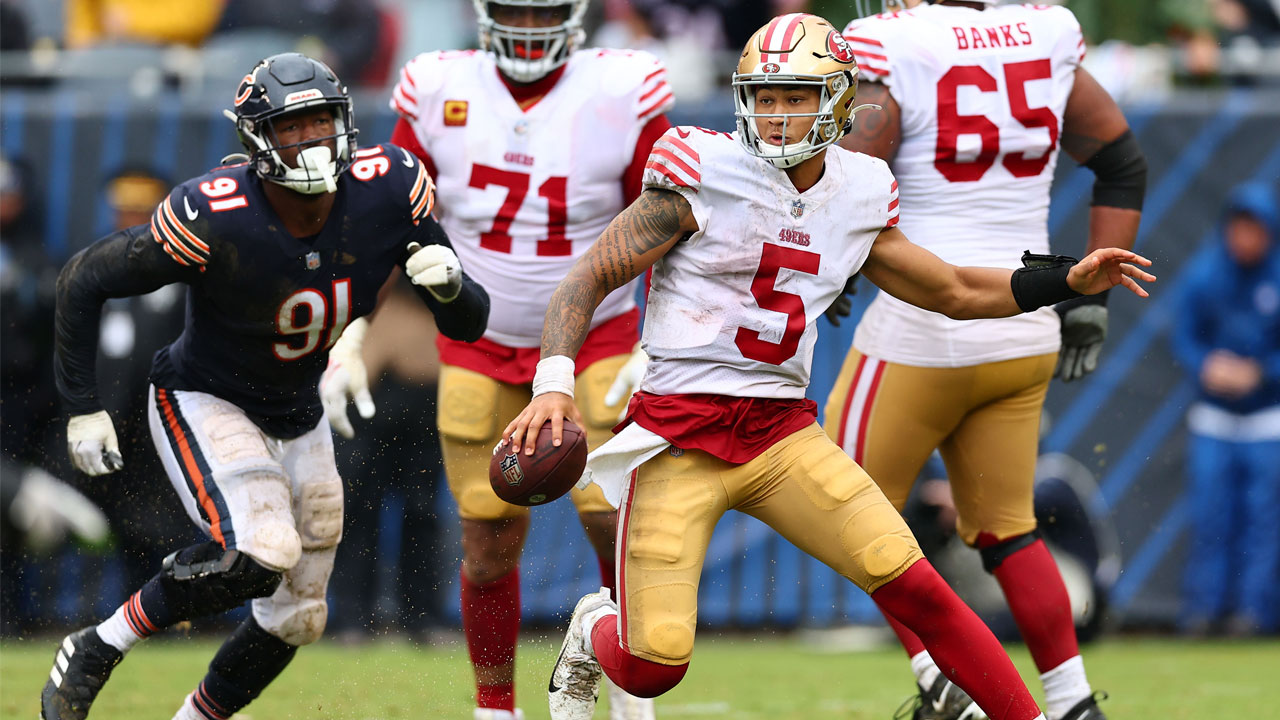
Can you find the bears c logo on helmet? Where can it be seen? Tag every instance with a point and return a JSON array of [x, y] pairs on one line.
[[839, 47]]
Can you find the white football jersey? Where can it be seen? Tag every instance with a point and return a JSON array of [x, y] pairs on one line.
[[524, 193], [732, 309], [982, 94]]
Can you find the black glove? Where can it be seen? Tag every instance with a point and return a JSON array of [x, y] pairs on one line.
[[842, 305], [1084, 329]]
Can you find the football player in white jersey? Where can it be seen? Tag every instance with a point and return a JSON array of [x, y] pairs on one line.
[[748, 249], [535, 144], [976, 100]]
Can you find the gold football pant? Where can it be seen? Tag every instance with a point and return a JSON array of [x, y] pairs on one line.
[[984, 419], [804, 487], [471, 413]]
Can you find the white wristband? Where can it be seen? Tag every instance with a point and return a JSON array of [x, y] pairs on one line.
[[554, 374]]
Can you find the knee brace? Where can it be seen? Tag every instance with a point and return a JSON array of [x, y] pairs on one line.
[[993, 555], [297, 612], [296, 621], [205, 579], [320, 514]]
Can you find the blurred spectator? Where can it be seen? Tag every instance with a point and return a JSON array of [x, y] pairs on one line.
[[14, 33], [1228, 337], [27, 280], [394, 454], [132, 330], [357, 38], [148, 22]]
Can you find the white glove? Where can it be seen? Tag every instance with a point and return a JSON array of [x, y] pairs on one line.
[[437, 269], [346, 377], [627, 381], [92, 444]]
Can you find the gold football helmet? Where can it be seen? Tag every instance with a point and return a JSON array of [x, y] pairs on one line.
[[796, 49]]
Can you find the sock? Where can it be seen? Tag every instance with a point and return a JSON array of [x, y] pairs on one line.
[[925, 668], [963, 648], [491, 623], [188, 710], [128, 624], [608, 574], [637, 676], [909, 641], [1064, 686], [1040, 605], [245, 664]]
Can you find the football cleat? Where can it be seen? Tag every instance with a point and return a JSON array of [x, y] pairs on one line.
[[1087, 709], [944, 700], [575, 680], [81, 666], [496, 714], [623, 706]]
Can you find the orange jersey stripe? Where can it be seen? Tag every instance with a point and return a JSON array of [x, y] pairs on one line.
[[168, 212], [189, 460]]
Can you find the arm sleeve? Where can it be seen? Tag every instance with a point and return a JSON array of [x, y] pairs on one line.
[[467, 316], [126, 263]]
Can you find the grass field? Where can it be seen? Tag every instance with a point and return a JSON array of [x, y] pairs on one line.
[[731, 677]]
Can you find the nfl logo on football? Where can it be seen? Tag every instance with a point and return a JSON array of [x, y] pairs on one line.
[[511, 470]]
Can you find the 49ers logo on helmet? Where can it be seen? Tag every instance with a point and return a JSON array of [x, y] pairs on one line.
[[839, 47], [771, 68]]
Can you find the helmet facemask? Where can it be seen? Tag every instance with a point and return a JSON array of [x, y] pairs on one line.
[[318, 166], [527, 54], [825, 131]]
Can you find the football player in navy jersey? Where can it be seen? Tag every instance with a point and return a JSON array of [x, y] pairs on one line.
[[279, 254]]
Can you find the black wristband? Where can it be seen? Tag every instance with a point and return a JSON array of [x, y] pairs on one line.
[[1042, 280]]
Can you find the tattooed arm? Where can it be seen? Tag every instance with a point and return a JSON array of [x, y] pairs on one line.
[[635, 240], [876, 132]]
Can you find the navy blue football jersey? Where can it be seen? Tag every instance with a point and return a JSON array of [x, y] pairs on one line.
[[263, 307]]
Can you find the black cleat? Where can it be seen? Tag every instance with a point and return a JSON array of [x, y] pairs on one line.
[[80, 668], [1087, 709], [944, 700]]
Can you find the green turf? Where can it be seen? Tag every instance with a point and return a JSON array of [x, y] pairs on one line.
[[773, 677]]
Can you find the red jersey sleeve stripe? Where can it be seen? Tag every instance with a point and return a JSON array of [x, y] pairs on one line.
[[678, 162], [893, 205], [873, 70], [893, 187], [657, 87], [683, 147], [864, 40], [860, 54], [657, 106], [653, 74], [892, 221], [406, 78], [403, 104], [672, 176]]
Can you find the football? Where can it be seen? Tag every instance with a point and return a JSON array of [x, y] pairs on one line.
[[547, 474]]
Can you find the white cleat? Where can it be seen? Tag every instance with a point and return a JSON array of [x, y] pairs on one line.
[[575, 681], [495, 714], [627, 707]]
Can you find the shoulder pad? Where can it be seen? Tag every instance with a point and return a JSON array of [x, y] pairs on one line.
[[423, 76], [675, 162], [409, 185]]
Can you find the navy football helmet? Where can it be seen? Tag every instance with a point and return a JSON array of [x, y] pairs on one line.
[[283, 84]]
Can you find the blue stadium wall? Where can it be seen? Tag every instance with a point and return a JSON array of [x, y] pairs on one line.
[[1124, 422]]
